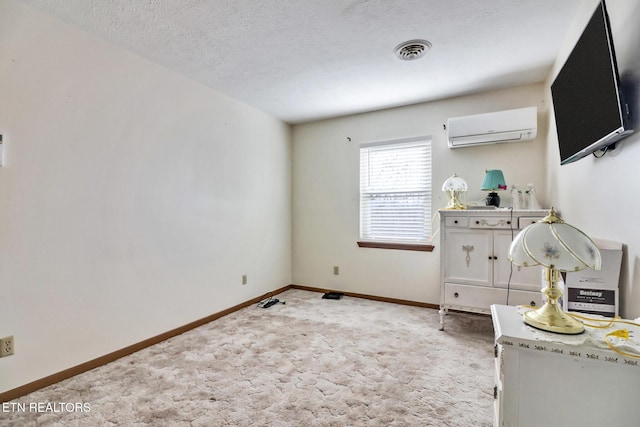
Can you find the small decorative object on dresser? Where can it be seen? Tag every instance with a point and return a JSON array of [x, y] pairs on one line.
[[517, 200], [475, 271], [493, 181], [456, 189], [532, 201]]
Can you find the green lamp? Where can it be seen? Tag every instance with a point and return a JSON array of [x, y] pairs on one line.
[[493, 180]]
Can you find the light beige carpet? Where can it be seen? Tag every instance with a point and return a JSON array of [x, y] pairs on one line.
[[310, 362]]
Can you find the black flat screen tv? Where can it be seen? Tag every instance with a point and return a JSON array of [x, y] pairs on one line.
[[590, 112]]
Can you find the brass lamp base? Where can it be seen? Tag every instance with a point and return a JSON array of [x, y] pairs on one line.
[[454, 202], [455, 207], [551, 318]]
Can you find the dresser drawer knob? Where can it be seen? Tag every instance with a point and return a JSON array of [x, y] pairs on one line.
[[533, 303], [456, 295]]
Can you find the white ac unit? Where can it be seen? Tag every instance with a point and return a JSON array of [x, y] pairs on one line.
[[493, 128]]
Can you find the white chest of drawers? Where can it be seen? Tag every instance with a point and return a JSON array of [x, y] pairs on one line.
[[475, 271]]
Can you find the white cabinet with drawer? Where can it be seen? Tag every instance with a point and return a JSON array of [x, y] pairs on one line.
[[544, 379], [475, 271]]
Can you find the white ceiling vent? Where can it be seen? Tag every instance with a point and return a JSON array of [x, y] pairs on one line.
[[413, 49]]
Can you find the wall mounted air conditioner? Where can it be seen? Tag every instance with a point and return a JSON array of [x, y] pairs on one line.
[[493, 128]]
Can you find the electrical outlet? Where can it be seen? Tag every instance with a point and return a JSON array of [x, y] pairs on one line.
[[336, 270], [6, 346], [244, 279]]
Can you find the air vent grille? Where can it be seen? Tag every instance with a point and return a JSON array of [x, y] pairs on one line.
[[411, 50]]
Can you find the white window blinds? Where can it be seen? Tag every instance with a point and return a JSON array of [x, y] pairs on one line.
[[395, 191]]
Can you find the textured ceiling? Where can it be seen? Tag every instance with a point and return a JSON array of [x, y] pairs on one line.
[[302, 60]]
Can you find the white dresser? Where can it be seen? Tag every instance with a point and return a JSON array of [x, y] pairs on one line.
[[475, 271], [545, 379]]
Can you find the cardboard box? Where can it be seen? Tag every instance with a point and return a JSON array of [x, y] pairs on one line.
[[596, 292], [603, 302]]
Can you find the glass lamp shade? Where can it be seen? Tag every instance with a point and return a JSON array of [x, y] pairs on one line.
[[493, 180], [517, 253], [455, 187], [554, 244]]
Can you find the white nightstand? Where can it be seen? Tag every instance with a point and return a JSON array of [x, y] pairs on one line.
[[541, 382]]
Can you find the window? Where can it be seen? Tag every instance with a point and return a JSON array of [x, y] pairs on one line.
[[395, 194]]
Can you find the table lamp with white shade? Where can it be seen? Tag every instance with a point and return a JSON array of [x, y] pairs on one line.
[[557, 247], [455, 187]]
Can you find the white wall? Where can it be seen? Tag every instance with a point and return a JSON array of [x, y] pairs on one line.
[[326, 192], [132, 200], [602, 196]]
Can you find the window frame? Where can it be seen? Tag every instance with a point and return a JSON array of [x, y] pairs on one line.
[[426, 189]]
